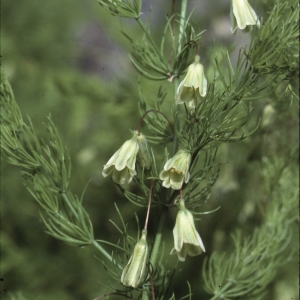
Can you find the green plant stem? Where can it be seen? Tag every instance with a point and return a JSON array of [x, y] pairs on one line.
[[181, 23], [108, 256], [176, 80], [157, 241], [176, 120], [158, 236]]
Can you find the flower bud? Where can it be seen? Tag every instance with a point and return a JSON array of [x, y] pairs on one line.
[[135, 271], [176, 170], [194, 86], [122, 163], [242, 15], [186, 238], [143, 156]]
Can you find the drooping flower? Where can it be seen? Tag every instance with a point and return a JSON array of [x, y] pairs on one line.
[[194, 85], [176, 170], [135, 270], [122, 163], [187, 240], [242, 15]]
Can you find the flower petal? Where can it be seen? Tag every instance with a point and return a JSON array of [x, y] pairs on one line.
[[182, 253], [192, 250], [186, 238], [176, 180], [128, 149], [164, 174], [107, 170], [242, 15], [121, 177]]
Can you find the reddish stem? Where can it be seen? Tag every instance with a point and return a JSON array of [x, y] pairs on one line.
[[149, 204], [153, 110], [152, 283], [196, 45]]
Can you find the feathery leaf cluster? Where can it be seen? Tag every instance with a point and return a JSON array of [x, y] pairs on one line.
[[274, 48], [249, 268], [46, 168], [188, 139]]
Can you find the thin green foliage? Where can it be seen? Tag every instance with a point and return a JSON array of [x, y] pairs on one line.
[[248, 269], [46, 168], [185, 132]]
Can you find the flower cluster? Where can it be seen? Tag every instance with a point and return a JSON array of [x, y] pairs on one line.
[[176, 171], [123, 163]]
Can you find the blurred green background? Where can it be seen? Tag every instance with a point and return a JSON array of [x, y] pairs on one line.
[[68, 59]]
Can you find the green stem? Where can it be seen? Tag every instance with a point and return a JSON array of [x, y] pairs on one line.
[[181, 23], [176, 80], [157, 241], [108, 256], [176, 120], [158, 237]]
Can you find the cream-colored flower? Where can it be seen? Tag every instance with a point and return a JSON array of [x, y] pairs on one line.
[[135, 271], [176, 170], [194, 86], [186, 238], [122, 163], [242, 15]]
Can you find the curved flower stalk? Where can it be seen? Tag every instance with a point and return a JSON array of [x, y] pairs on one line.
[[135, 270], [194, 86], [186, 238], [176, 170], [122, 163], [242, 15]]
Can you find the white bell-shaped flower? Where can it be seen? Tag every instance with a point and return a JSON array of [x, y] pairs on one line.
[[122, 163], [194, 85], [242, 15], [187, 240], [176, 170]]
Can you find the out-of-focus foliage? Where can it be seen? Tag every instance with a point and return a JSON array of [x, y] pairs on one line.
[[43, 48], [47, 49]]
